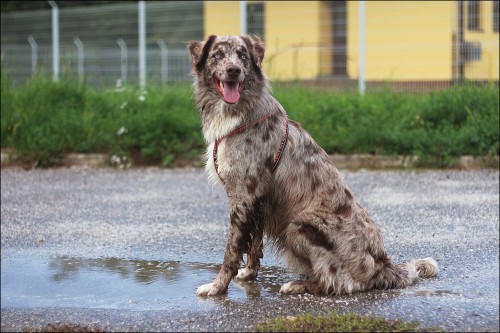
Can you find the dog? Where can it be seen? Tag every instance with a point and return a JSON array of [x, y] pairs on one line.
[[282, 184]]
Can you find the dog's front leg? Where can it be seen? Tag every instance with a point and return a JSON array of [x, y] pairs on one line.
[[243, 230], [251, 269]]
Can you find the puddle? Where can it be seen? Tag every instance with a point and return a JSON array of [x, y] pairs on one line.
[[115, 283]]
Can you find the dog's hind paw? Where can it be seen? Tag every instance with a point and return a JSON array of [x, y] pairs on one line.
[[300, 287], [209, 289], [288, 288], [246, 274]]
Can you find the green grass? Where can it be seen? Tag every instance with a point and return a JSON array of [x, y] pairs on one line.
[[443, 124], [335, 322], [43, 121]]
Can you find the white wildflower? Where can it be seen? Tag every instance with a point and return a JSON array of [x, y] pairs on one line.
[[122, 130], [119, 85], [115, 159]]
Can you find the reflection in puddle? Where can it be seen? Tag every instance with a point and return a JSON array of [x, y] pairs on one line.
[[121, 283], [143, 272]]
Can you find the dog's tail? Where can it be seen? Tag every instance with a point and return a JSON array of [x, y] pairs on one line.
[[426, 267], [403, 275], [411, 271]]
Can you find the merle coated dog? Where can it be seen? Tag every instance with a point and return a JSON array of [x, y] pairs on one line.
[[280, 183]]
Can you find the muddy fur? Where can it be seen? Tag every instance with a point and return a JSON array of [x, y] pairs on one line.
[[302, 206]]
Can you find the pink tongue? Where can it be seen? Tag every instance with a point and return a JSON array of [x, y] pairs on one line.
[[231, 94]]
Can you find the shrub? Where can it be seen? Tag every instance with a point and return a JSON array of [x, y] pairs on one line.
[[42, 121]]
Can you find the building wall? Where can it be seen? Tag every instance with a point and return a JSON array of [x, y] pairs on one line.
[[403, 41], [292, 37], [487, 67], [221, 18]]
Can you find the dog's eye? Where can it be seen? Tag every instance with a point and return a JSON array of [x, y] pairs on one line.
[[243, 57], [217, 55]]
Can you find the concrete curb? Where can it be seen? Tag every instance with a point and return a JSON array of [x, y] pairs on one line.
[[368, 161], [354, 161]]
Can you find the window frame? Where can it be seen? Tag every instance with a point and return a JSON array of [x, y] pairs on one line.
[[474, 15]]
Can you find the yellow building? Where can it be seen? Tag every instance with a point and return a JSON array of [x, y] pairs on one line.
[[404, 40]]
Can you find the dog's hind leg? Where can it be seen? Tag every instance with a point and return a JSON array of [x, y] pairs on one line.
[[251, 269], [307, 248]]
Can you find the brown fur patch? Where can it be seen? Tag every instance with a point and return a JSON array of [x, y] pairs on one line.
[[344, 210], [315, 236], [252, 184]]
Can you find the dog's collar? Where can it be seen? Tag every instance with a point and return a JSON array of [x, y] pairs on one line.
[[277, 157]]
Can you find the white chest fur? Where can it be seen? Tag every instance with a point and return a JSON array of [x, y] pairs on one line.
[[220, 126]]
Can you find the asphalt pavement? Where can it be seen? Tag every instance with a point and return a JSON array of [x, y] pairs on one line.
[[124, 250]]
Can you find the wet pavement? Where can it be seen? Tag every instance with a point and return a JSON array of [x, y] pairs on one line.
[[124, 250]]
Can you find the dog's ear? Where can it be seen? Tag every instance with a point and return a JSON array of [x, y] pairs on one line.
[[256, 48], [195, 51], [199, 52]]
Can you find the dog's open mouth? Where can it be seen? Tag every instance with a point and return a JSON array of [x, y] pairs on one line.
[[230, 90]]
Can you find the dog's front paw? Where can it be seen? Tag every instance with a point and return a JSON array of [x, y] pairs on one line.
[[246, 274], [209, 289]]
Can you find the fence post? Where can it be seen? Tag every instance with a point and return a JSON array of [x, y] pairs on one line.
[[123, 58], [55, 39], [164, 60], [243, 17], [34, 54], [361, 65], [142, 44], [79, 46]]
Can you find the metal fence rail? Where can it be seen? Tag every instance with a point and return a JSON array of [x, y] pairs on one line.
[[406, 45], [108, 35]]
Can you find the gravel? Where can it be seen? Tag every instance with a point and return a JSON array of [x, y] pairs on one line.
[[123, 250]]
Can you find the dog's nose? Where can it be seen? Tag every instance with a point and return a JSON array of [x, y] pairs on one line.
[[233, 71]]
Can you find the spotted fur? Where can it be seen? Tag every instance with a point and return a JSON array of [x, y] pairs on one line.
[[303, 206]]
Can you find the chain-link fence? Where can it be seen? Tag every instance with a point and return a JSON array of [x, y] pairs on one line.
[[100, 43], [411, 45]]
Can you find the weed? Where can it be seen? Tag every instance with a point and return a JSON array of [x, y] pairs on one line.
[[335, 322]]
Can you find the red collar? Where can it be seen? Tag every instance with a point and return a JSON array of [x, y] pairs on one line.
[[281, 147]]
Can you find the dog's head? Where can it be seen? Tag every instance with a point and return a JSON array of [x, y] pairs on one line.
[[229, 65]]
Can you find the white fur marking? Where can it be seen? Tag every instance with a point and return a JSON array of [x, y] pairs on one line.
[[285, 289], [204, 290], [244, 273], [220, 125]]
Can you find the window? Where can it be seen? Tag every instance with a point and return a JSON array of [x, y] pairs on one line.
[[474, 15], [495, 16], [255, 19]]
